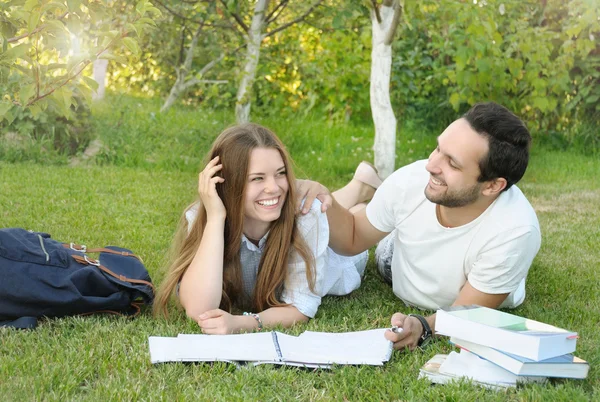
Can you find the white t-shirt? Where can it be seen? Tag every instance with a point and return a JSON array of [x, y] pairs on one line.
[[431, 263]]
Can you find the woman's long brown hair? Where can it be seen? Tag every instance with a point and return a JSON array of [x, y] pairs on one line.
[[234, 146]]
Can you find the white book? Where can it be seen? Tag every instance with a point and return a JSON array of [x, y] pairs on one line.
[[442, 369], [310, 349], [507, 332], [565, 366]]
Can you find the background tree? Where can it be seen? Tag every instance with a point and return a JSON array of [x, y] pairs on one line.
[[196, 19], [262, 17], [385, 18]]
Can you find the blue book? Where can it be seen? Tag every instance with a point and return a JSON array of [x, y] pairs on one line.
[[565, 366]]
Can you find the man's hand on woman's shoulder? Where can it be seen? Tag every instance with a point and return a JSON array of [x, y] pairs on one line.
[[310, 190]]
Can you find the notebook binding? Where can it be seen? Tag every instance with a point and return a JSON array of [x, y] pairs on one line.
[[277, 348]]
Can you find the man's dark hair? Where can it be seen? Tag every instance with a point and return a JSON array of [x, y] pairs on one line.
[[508, 138]]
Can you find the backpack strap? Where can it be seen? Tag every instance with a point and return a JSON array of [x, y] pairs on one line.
[[84, 249], [85, 260], [20, 323], [136, 307]]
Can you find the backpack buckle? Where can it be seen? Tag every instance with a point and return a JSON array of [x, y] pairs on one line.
[[77, 247], [91, 262]]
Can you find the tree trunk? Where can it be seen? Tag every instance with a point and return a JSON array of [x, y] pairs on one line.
[[255, 37], [100, 67], [176, 90], [381, 107]]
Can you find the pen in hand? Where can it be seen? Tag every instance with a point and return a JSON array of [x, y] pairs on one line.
[[396, 329]]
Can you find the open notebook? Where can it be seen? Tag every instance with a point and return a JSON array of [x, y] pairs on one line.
[[309, 349]]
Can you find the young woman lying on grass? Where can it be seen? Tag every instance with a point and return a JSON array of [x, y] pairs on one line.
[[241, 246]]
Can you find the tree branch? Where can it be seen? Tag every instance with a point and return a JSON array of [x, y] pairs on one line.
[[208, 67], [269, 18], [66, 81], [236, 17], [181, 47], [183, 17], [175, 13], [187, 65], [69, 79], [195, 81], [395, 22], [38, 29], [375, 9], [297, 20], [211, 64]]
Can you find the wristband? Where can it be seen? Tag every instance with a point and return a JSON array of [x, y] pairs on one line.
[[257, 318], [426, 334]]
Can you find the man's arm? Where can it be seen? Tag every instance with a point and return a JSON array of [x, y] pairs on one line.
[[412, 327], [350, 234]]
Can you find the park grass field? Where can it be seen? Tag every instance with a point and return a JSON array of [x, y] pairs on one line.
[[132, 194]]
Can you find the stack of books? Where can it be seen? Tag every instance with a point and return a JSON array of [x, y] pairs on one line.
[[499, 349]]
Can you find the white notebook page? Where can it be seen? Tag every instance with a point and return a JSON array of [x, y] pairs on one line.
[[163, 349], [361, 347], [240, 347]]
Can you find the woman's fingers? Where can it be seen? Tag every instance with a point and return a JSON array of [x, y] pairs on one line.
[[217, 312], [207, 178], [208, 173], [207, 188], [213, 161], [211, 168]]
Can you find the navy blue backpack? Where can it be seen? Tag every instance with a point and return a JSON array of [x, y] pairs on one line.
[[41, 277]]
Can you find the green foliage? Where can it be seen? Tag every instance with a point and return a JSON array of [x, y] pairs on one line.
[[47, 46], [537, 58], [154, 72], [540, 59], [46, 137], [320, 69]]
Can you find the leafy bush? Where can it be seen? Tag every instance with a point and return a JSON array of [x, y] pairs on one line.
[[531, 56], [47, 137], [47, 46]]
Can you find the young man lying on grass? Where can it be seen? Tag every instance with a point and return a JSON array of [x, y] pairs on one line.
[[459, 231]]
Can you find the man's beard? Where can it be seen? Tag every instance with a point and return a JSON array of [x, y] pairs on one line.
[[456, 199]]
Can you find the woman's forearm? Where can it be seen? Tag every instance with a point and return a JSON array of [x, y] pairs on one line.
[[286, 316], [202, 284]]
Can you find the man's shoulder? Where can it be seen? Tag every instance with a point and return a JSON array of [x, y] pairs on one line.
[[408, 177], [414, 169], [513, 209], [399, 195]]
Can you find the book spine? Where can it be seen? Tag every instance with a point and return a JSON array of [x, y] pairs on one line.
[[277, 347]]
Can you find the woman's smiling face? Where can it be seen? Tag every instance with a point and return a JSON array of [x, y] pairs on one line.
[[266, 191]]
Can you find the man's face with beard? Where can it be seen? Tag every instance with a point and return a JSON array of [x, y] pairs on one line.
[[454, 166]]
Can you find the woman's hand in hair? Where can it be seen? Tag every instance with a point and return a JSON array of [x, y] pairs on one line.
[[207, 189], [219, 322]]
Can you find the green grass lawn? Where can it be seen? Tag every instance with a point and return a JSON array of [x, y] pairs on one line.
[[132, 197]]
